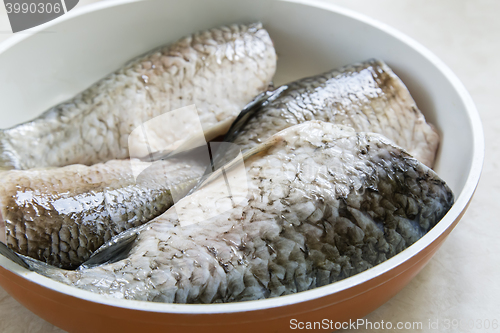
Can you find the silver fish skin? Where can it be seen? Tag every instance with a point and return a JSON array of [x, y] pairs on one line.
[[219, 70], [324, 203], [367, 96], [62, 215]]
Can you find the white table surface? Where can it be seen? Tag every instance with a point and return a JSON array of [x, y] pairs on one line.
[[462, 281]]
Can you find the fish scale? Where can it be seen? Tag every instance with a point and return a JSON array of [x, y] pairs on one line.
[[94, 126], [287, 235], [367, 96], [62, 215]]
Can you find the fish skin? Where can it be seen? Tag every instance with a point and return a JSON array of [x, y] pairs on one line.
[[324, 203], [367, 96], [62, 215], [94, 126], [35, 225]]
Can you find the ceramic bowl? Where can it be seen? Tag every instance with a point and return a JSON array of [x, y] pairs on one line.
[[69, 54]]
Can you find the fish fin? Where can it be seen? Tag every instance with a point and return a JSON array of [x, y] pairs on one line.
[[18, 259], [53, 272], [38, 266], [251, 109], [8, 156], [227, 152], [114, 250]]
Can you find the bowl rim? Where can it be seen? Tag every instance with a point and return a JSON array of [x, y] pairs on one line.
[[237, 307]]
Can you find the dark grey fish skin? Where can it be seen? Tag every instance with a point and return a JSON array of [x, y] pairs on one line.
[[219, 70], [367, 96], [62, 215], [324, 203]]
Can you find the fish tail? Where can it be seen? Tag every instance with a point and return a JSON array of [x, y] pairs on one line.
[[9, 158]]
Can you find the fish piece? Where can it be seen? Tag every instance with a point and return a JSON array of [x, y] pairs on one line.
[[97, 202], [62, 215], [324, 203], [367, 96], [219, 70]]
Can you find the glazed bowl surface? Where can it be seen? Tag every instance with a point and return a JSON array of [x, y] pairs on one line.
[[67, 55]]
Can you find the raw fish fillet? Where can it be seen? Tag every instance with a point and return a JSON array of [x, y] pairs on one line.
[[367, 96], [62, 215], [219, 70]]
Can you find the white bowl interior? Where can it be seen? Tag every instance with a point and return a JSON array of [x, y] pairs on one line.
[[41, 70]]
